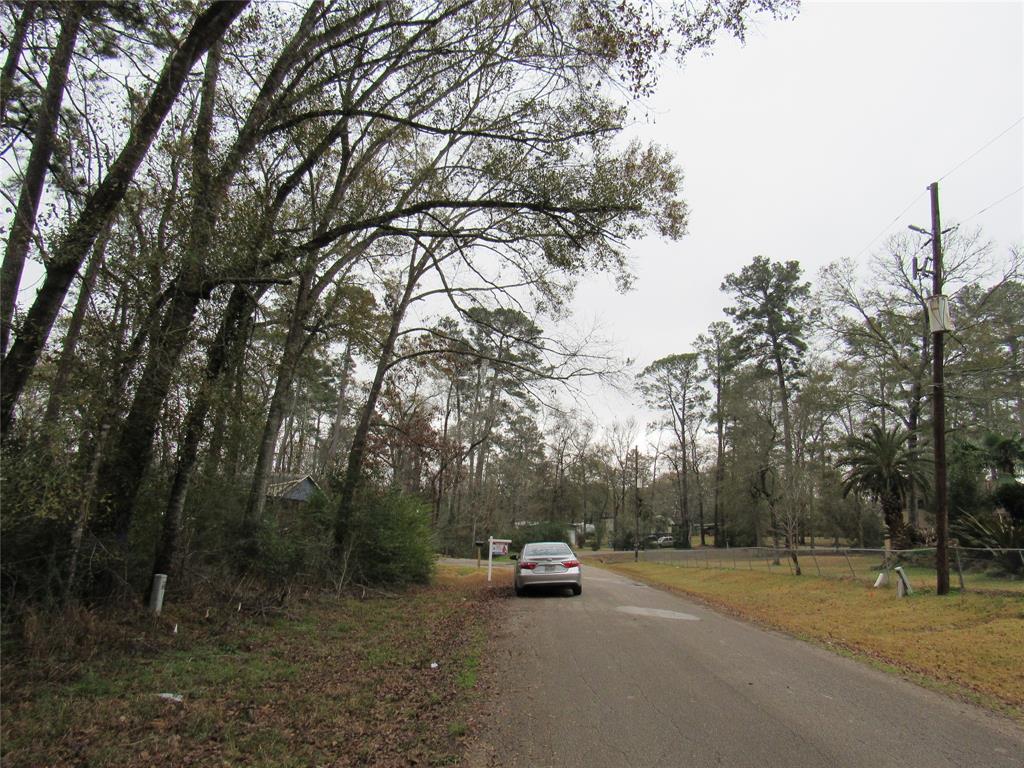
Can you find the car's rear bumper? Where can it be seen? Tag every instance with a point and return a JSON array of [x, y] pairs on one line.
[[566, 579]]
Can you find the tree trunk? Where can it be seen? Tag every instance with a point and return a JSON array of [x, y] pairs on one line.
[[330, 448], [720, 537], [85, 503], [216, 358], [294, 345], [35, 172], [121, 477], [893, 513], [20, 361], [787, 428], [700, 510], [234, 366], [67, 355], [357, 452], [443, 459], [123, 470], [774, 522], [14, 49], [684, 484]]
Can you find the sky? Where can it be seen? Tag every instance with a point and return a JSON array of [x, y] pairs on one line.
[[814, 141]]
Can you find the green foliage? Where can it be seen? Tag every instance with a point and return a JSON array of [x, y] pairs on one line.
[[881, 464], [1010, 496], [859, 524], [265, 552], [1002, 454], [966, 466], [292, 542], [32, 560], [40, 503], [623, 539], [390, 539], [996, 534], [771, 311]]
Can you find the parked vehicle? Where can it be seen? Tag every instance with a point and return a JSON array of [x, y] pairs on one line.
[[547, 564], [666, 541]]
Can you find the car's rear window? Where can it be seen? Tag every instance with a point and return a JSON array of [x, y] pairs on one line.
[[546, 550]]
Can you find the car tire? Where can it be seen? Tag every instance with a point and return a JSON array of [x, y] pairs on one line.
[[519, 591], [577, 589]]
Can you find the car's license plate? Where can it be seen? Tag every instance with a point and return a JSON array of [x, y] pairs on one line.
[[548, 568]]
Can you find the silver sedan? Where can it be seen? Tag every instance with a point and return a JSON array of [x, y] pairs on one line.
[[548, 564]]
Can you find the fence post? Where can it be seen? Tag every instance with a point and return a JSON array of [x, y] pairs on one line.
[[959, 570], [846, 554], [815, 559], [707, 564]]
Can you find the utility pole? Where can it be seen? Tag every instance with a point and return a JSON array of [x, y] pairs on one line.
[[938, 314]]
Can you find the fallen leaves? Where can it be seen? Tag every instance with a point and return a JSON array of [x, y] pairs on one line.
[[335, 682]]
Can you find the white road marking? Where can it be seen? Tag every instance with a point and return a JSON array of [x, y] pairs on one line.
[[657, 613]]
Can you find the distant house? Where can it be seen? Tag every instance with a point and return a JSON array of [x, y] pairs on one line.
[[295, 489]]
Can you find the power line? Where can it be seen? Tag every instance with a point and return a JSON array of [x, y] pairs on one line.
[[887, 226], [963, 162], [982, 148], [993, 205]]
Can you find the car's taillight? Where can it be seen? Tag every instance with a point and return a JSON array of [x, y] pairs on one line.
[[571, 563], [527, 565]]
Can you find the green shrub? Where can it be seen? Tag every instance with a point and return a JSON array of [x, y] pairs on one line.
[[291, 542], [390, 538], [623, 540], [265, 552], [996, 534], [966, 469], [1009, 495]]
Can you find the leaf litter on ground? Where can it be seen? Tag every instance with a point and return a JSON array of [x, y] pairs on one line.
[[331, 682]]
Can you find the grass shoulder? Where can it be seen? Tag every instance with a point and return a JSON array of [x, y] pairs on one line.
[[382, 680], [965, 644]]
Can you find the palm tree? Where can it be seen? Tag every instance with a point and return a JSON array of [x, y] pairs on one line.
[[882, 465], [1002, 454]]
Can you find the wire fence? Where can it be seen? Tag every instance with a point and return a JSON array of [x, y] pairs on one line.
[[982, 570]]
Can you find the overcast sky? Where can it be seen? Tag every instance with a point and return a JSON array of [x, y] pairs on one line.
[[807, 143]]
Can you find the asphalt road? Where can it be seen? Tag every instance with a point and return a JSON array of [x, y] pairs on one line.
[[628, 675]]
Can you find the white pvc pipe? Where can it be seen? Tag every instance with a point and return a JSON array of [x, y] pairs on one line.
[[156, 593]]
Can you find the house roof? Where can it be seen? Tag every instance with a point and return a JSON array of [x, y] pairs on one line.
[[298, 488]]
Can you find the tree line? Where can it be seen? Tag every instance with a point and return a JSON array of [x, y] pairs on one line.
[[802, 419], [252, 241]]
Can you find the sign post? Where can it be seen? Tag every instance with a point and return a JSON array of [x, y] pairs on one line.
[[495, 547]]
